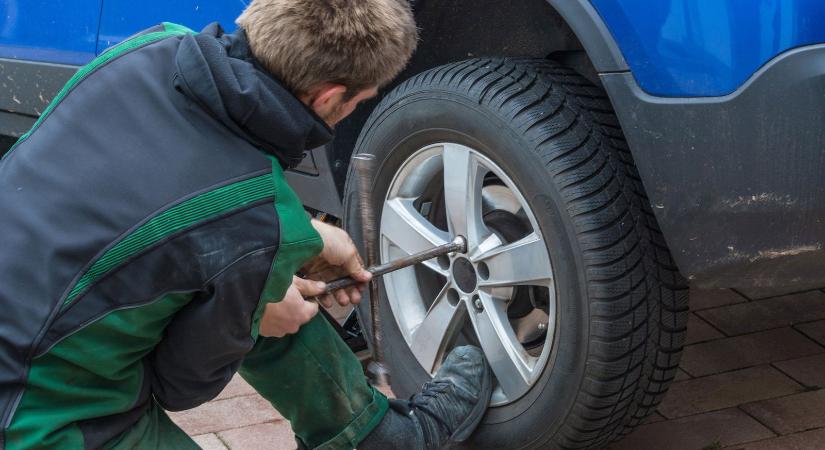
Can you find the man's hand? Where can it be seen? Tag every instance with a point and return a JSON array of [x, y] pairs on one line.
[[338, 259], [287, 316]]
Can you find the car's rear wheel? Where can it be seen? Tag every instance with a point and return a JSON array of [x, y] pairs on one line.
[[567, 284]]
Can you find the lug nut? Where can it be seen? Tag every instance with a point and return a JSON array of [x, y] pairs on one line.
[[462, 242], [477, 303]]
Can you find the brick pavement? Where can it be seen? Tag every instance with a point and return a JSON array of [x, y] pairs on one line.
[[751, 378]]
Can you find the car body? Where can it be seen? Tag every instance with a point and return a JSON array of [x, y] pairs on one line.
[[721, 102]]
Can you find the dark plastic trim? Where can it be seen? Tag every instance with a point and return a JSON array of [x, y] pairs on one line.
[[736, 182], [29, 86], [15, 125], [318, 191], [592, 32]]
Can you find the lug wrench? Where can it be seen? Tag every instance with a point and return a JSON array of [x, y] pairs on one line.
[[457, 245]]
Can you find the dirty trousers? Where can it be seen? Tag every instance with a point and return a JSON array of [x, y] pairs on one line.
[[312, 378]]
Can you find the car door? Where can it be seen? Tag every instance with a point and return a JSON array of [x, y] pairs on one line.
[[120, 18], [63, 32]]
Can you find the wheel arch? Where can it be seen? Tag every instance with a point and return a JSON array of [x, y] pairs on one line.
[[462, 29], [570, 31]]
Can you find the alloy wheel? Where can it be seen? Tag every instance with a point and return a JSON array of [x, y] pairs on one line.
[[499, 294]]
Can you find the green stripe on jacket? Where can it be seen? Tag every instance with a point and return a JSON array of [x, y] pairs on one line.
[[183, 215]]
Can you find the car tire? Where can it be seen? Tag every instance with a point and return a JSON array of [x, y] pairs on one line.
[[620, 302]]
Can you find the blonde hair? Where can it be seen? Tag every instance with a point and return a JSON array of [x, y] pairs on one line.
[[356, 43]]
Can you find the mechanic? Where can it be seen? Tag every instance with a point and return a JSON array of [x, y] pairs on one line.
[[150, 241]]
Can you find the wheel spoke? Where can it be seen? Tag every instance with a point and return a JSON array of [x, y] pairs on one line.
[[431, 338], [506, 357], [463, 176], [402, 225], [489, 244], [522, 262]]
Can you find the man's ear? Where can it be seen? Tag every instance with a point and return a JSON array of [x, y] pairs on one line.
[[325, 97]]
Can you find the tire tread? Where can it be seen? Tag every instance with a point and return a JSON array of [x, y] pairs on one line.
[[638, 300]]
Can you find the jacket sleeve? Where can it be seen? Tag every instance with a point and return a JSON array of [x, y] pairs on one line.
[[206, 340]]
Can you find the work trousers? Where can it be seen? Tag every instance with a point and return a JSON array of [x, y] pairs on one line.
[[312, 378]]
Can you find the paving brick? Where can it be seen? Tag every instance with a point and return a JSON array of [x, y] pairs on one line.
[[236, 388], [726, 427], [760, 315], [209, 442], [809, 440], [745, 351], [810, 371], [699, 331], [790, 414], [226, 414], [712, 298], [681, 375], [757, 293], [267, 436], [726, 390], [814, 330], [655, 417]]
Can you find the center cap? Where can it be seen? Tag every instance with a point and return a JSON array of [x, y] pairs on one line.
[[464, 275]]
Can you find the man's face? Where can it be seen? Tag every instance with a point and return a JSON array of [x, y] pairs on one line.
[[332, 105]]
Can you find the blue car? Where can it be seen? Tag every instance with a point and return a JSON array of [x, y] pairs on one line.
[[599, 156]]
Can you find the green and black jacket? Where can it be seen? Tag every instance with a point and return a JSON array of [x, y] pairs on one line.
[[145, 223]]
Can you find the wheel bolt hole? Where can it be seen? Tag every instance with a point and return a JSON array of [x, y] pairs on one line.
[[483, 271], [477, 303], [444, 262], [453, 297]]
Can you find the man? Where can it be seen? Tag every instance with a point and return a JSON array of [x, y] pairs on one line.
[[150, 240]]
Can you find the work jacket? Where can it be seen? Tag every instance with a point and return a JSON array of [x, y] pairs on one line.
[[144, 224]]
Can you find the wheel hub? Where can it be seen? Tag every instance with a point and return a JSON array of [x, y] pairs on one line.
[[464, 275]]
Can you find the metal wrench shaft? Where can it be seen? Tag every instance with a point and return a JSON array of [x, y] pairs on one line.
[[457, 245]]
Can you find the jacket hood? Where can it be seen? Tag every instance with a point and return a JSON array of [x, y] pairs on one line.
[[218, 72]]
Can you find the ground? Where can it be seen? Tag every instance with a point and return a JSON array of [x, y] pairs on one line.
[[750, 378]]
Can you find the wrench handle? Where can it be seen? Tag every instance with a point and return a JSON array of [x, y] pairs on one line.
[[457, 245]]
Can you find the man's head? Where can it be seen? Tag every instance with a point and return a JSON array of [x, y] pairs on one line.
[[331, 54]]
